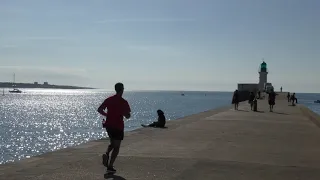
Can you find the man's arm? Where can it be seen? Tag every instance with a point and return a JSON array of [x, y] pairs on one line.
[[127, 113], [102, 107]]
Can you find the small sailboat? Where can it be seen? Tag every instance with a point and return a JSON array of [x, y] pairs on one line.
[[15, 90]]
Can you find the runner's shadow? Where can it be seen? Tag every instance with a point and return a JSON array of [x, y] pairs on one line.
[[259, 111], [113, 177]]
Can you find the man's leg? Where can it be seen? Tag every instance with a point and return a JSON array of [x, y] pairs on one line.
[[110, 147], [152, 124], [105, 157], [115, 152]]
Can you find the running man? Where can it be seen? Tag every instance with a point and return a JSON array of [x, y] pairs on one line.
[[117, 107]]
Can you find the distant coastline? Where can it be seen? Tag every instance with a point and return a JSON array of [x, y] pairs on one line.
[[35, 85]]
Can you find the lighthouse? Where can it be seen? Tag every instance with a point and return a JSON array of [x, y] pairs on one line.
[[262, 86], [263, 74]]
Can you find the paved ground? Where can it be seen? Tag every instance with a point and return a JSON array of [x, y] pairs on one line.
[[221, 144]]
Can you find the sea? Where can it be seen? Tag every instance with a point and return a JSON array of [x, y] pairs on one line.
[[43, 120]]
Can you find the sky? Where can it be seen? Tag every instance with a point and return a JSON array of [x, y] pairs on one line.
[[208, 45]]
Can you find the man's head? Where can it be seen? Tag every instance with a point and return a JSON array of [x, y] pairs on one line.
[[119, 88]]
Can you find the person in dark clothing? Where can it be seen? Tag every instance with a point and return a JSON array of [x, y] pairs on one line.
[[288, 97], [293, 99], [161, 120], [259, 95], [272, 99], [251, 99], [117, 108], [235, 99]]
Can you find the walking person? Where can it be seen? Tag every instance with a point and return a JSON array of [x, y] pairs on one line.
[[272, 99], [235, 99], [288, 96], [293, 98], [251, 99], [117, 107]]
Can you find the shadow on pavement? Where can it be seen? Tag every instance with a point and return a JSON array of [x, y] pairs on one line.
[[242, 110], [113, 177], [280, 113]]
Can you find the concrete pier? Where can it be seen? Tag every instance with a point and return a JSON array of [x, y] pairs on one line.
[[221, 144]]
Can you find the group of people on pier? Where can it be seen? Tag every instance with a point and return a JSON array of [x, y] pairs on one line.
[[254, 96]]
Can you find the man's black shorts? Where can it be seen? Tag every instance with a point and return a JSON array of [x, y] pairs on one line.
[[115, 134]]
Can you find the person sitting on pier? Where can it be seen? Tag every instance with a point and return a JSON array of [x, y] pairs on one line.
[[161, 121], [235, 99]]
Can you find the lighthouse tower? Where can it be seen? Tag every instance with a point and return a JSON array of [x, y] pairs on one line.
[[263, 72]]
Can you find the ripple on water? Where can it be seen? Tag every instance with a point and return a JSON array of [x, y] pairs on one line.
[[42, 121]]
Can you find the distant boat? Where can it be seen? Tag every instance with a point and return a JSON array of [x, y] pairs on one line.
[[182, 94], [15, 90], [317, 101]]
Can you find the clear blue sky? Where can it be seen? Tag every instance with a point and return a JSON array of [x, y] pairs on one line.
[[161, 44]]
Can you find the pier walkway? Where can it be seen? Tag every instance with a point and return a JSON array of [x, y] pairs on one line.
[[221, 144]]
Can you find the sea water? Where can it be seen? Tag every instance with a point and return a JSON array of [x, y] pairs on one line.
[[44, 120], [39, 121]]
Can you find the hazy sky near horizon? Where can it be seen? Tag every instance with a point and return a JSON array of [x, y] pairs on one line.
[[161, 44]]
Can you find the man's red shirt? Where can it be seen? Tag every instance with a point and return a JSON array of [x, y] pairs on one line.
[[117, 107]]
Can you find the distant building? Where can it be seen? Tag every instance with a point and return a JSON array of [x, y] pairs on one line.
[[263, 84], [45, 83], [35, 83]]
